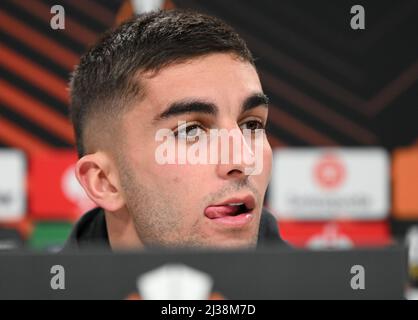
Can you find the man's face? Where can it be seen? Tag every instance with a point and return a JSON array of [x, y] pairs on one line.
[[185, 204]]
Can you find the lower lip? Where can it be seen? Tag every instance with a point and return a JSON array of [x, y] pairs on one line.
[[238, 221]]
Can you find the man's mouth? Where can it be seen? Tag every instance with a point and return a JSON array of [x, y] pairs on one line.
[[236, 211]]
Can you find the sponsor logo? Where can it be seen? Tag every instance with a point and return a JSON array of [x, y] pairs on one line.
[[329, 172], [174, 282]]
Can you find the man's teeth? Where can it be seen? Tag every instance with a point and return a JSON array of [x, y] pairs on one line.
[[236, 204]]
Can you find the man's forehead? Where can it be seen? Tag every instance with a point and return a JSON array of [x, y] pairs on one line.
[[216, 78]]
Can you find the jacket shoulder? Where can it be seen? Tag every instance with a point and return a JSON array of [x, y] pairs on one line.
[[89, 230], [269, 231]]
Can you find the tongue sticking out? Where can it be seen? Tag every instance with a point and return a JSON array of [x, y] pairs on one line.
[[215, 212]]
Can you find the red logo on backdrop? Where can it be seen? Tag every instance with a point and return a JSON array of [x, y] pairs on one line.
[[330, 172], [335, 234], [54, 192], [329, 237]]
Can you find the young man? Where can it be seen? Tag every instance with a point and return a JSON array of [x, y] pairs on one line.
[[191, 75]]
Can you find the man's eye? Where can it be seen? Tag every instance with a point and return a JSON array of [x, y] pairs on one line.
[[252, 125], [189, 133]]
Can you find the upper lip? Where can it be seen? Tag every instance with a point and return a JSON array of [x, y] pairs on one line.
[[248, 200]]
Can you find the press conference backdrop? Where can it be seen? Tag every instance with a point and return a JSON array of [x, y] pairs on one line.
[[342, 119]]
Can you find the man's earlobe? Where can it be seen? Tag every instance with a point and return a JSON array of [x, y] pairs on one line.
[[96, 176]]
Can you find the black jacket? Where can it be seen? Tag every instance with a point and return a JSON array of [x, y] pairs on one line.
[[91, 231]]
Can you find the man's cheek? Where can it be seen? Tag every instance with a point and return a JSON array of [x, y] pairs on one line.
[[263, 177], [177, 178], [267, 159]]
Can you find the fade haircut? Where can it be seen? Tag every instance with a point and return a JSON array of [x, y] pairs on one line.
[[106, 81]]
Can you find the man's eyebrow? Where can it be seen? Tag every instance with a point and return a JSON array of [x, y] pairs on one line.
[[188, 106], [200, 106], [255, 100]]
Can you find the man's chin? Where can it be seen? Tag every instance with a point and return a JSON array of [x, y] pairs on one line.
[[234, 243], [239, 245]]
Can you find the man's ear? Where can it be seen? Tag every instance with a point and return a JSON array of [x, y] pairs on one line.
[[98, 177]]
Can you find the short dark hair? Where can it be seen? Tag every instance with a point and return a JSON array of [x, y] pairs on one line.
[[104, 82]]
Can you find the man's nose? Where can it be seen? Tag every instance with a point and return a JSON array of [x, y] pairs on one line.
[[235, 159]]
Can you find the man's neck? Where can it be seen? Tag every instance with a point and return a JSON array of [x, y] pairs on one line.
[[121, 231]]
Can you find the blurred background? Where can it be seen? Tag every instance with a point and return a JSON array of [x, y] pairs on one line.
[[343, 115]]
